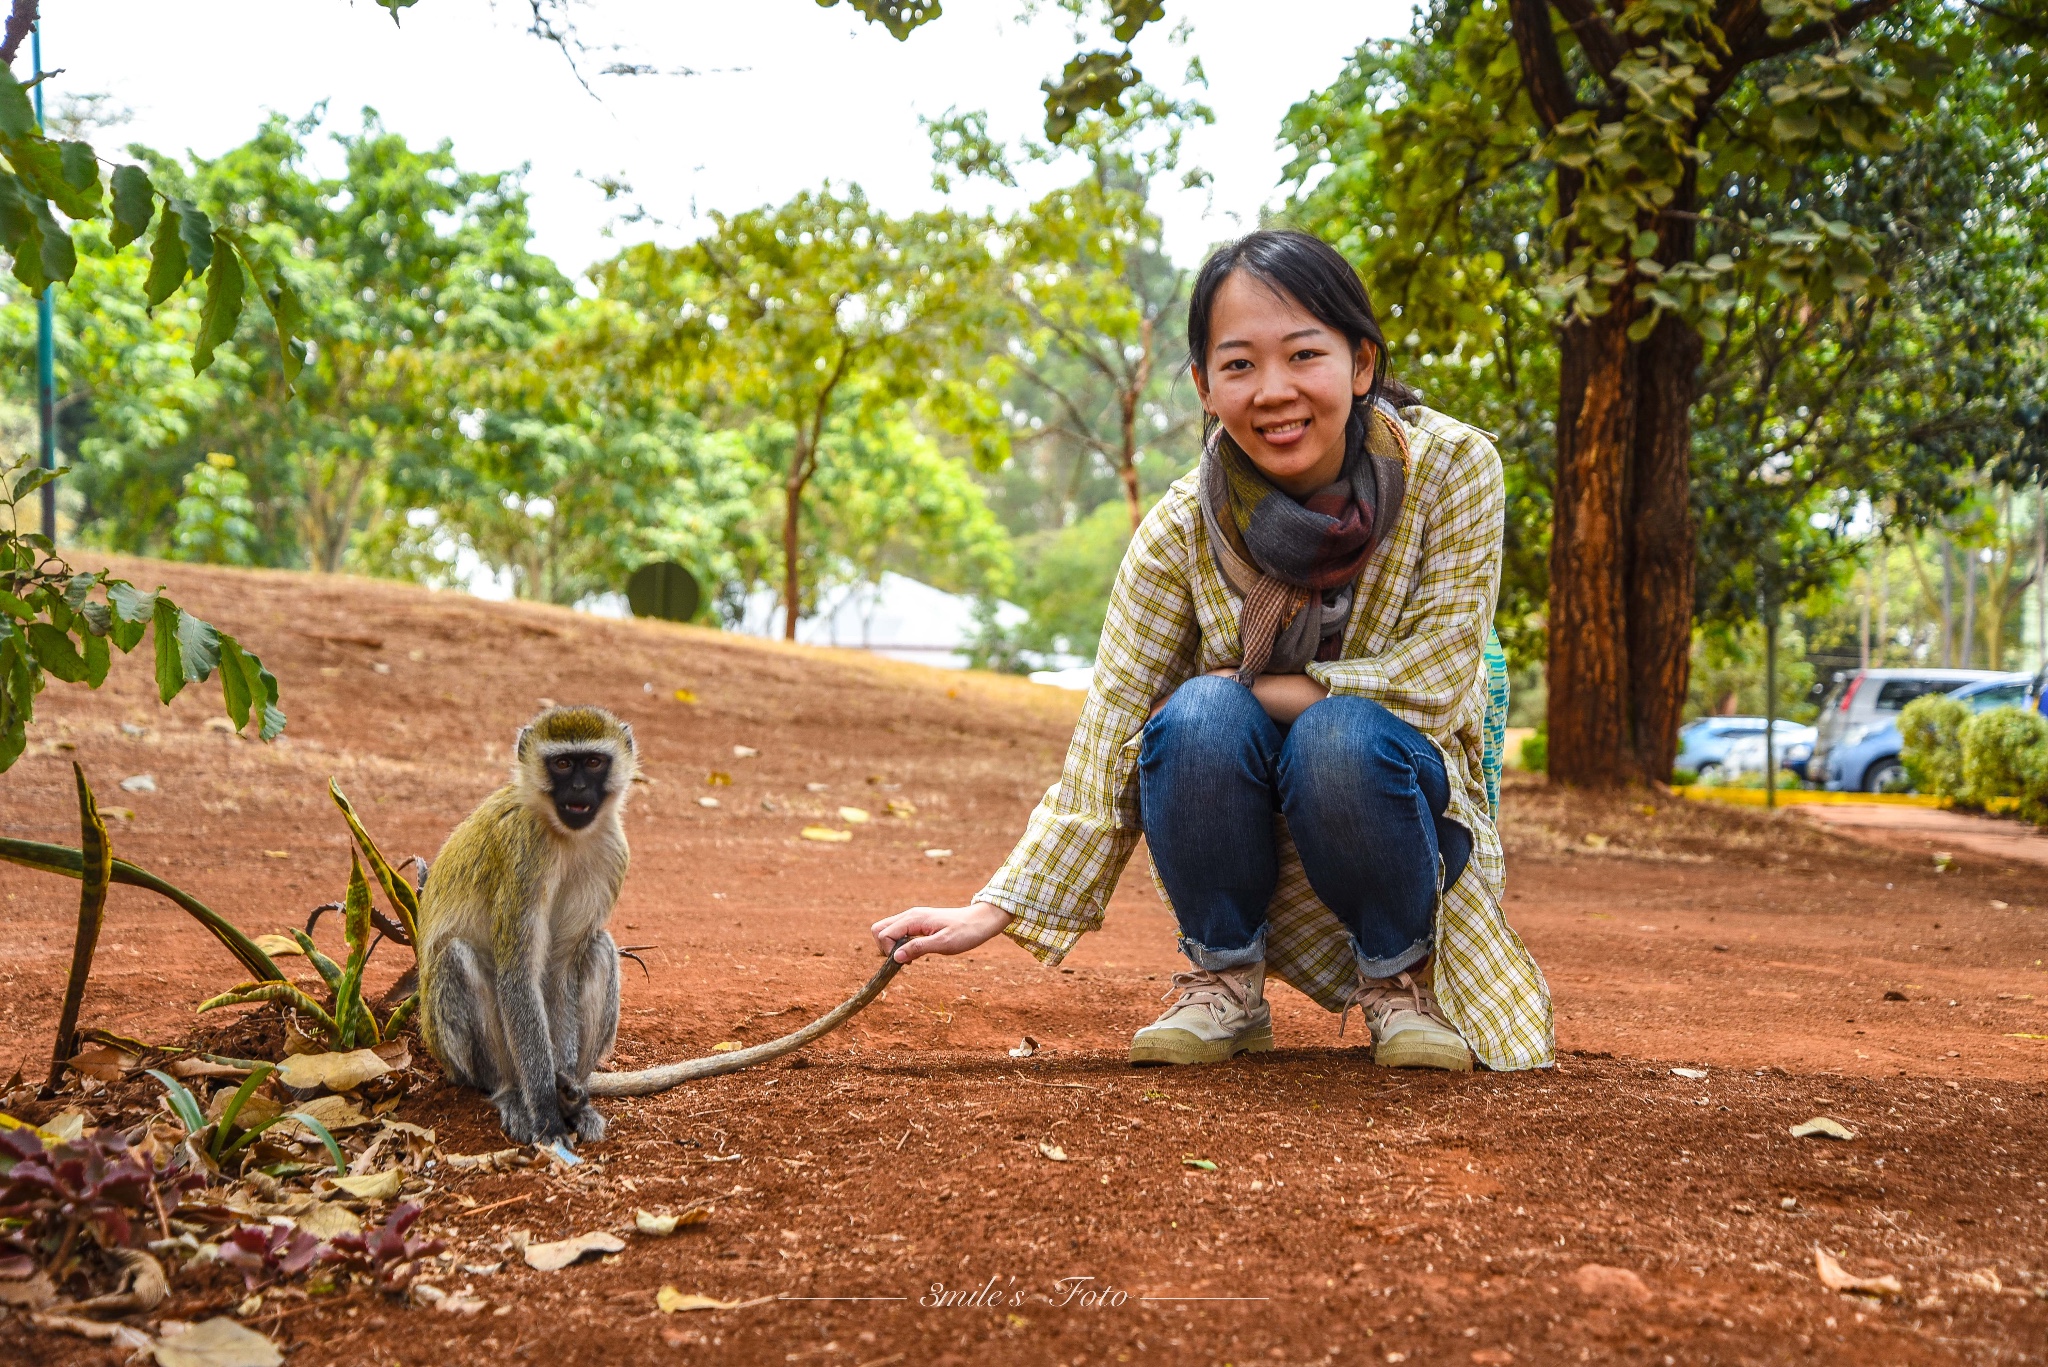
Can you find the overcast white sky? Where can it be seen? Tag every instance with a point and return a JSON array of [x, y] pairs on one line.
[[788, 94]]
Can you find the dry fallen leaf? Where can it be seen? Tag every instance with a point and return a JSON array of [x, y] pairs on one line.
[[1026, 1047], [560, 1254], [103, 1062], [938, 854], [853, 816], [745, 752], [325, 1220], [718, 778], [337, 1072], [707, 802], [337, 1113], [826, 834], [685, 695], [277, 854], [371, 1186], [1835, 1279], [1053, 1151], [1822, 1127], [1690, 1074], [726, 1046], [647, 1222], [669, 1301], [276, 945], [898, 807], [218, 1342]]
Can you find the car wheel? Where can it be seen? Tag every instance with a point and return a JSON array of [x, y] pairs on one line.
[[1886, 776]]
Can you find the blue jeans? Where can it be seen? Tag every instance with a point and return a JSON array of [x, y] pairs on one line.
[[1364, 795]]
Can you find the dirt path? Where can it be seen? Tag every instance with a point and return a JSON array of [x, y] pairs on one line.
[[1929, 831], [1367, 1216]]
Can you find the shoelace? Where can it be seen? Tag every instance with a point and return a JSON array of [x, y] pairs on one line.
[[1200, 987], [1381, 997]]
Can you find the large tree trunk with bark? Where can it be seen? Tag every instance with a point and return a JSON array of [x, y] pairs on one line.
[[1661, 554], [1589, 673], [792, 528]]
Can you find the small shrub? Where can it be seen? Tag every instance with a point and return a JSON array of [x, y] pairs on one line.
[[1683, 778], [1932, 749], [1536, 751], [2005, 752]]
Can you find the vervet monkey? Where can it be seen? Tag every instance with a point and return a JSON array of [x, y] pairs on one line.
[[519, 980]]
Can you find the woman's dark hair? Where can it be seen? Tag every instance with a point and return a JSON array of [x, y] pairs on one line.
[[1316, 276]]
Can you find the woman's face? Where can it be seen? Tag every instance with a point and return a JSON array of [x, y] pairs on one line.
[[1280, 382]]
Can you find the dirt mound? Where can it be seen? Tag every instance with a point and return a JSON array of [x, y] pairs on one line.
[[894, 1193]]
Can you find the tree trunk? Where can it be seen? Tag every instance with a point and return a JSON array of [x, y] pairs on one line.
[[1661, 553], [1589, 714], [792, 579]]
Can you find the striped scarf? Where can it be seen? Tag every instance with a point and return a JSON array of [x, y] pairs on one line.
[[1292, 560]]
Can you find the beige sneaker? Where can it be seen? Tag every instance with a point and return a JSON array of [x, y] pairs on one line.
[[1214, 1018], [1408, 1028]]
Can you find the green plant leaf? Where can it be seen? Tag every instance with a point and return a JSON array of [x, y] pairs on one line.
[[182, 1102], [223, 308], [242, 1094], [333, 1148], [195, 229], [96, 865], [249, 994], [168, 262], [287, 312], [348, 993], [400, 893], [401, 1016], [134, 202], [97, 659], [54, 651], [170, 664], [329, 971], [17, 115]]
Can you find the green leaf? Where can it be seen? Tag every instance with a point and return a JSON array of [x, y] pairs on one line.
[[14, 607], [287, 312], [223, 306], [242, 1094], [170, 663], [48, 168], [333, 1148], [395, 6], [182, 1103], [400, 893], [168, 264], [97, 658], [134, 202], [130, 604], [59, 258], [21, 232], [81, 171], [196, 231], [198, 647], [17, 114], [56, 653], [234, 682], [329, 971]]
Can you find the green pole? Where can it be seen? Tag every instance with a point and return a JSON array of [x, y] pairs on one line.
[[46, 338]]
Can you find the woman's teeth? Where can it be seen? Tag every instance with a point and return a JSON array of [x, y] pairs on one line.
[[1283, 429]]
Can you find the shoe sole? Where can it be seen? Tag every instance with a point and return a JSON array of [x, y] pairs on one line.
[[1444, 1055], [1178, 1046]]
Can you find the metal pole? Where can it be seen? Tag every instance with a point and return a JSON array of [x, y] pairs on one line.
[[46, 339], [1770, 702]]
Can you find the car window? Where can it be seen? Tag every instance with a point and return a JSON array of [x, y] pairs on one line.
[[2009, 695], [1894, 694]]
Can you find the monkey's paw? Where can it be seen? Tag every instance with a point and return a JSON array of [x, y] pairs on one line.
[[522, 1126], [587, 1123]]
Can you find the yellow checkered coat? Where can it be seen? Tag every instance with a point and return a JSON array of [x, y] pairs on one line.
[[1420, 616]]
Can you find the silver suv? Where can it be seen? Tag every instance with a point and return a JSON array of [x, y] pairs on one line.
[[1862, 702]]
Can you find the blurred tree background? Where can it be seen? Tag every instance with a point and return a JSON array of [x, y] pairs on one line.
[[814, 393]]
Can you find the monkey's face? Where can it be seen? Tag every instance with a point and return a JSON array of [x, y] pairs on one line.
[[580, 780]]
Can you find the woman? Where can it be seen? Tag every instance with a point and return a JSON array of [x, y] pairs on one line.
[[1288, 701]]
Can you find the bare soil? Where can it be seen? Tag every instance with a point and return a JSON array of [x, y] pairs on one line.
[[899, 1178]]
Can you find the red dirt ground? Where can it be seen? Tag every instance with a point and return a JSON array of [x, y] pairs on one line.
[[1358, 1215]]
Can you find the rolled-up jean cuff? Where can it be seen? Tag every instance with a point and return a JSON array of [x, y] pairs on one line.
[[1393, 963], [1216, 960]]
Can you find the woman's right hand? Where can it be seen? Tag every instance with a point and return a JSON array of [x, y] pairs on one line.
[[939, 930]]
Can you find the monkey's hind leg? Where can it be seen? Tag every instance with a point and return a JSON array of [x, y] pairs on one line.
[[592, 1007], [461, 1022]]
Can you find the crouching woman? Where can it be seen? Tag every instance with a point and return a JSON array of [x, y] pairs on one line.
[[1288, 702]]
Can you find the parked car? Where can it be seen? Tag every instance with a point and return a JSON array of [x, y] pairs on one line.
[[1745, 754], [1703, 744], [1858, 748]]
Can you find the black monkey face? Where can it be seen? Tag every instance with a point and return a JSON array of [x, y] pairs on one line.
[[580, 781]]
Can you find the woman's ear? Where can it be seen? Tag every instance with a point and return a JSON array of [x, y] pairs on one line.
[[1202, 384], [1363, 367]]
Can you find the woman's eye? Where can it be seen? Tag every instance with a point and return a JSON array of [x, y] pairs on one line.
[[1307, 354], [1237, 364]]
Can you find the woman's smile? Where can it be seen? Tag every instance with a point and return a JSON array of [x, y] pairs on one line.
[[1285, 432]]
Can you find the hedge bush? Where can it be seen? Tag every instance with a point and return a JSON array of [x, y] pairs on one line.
[[2005, 754], [1536, 751], [1931, 748]]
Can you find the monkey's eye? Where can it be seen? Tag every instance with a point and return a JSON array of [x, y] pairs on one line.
[[561, 764], [595, 762]]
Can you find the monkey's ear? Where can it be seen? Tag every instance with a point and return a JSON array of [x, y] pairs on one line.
[[632, 746], [519, 745]]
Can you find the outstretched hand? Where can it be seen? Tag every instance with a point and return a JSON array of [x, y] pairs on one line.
[[939, 930]]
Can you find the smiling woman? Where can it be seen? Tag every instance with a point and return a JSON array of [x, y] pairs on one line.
[[1289, 704]]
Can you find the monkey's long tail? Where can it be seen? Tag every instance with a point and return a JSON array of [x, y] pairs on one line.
[[648, 1081]]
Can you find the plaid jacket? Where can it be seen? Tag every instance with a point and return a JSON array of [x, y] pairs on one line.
[[1423, 609]]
